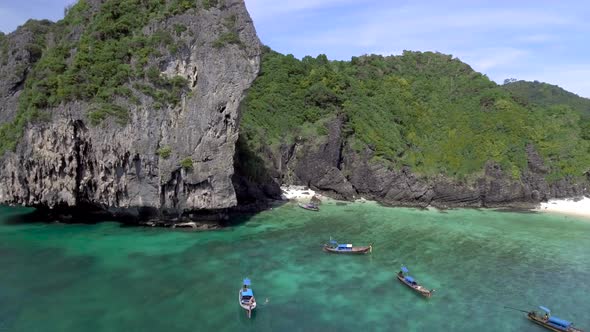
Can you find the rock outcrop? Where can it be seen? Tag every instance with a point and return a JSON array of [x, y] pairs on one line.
[[171, 159], [336, 169]]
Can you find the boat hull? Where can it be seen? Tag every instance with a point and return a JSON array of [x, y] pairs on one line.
[[309, 208], [540, 321], [352, 251], [248, 307], [424, 292]]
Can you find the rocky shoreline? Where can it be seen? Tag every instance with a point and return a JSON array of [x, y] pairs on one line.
[[219, 219], [335, 169]]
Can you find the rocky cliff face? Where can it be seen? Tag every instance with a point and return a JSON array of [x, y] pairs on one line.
[[336, 169], [173, 159]]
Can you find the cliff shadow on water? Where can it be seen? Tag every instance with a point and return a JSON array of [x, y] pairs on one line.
[[91, 215], [88, 214]]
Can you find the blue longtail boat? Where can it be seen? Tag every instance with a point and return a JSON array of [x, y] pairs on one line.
[[411, 282], [550, 322], [334, 247], [246, 297]]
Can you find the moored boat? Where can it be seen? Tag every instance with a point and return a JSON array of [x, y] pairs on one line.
[[246, 297], [411, 282], [335, 247], [550, 322], [309, 206]]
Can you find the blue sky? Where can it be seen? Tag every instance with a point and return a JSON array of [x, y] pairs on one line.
[[545, 40]]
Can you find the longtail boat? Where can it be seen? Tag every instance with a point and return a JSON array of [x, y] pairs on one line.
[[550, 322], [411, 282], [335, 247], [310, 207], [246, 297]]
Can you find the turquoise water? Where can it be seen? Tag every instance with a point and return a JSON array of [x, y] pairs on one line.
[[106, 277]]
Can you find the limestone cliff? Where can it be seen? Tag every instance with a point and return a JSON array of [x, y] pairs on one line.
[[173, 157]]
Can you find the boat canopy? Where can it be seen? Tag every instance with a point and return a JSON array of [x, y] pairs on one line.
[[247, 282], [559, 322], [247, 292], [405, 269], [545, 309], [333, 242], [345, 246], [409, 279]]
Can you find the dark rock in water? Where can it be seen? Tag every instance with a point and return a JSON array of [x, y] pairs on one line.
[[185, 225], [68, 162], [190, 224]]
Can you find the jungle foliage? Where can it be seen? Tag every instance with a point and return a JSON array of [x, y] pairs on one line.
[[428, 111], [545, 95]]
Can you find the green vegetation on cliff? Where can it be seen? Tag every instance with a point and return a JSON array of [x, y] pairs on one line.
[[94, 57], [111, 51], [546, 95], [426, 110]]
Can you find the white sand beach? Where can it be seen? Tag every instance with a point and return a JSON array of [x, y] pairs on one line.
[[298, 193], [575, 207]]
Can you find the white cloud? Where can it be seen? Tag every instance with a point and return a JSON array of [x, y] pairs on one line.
[[537, 38], [497, 18], [431, 27], [492, 58], [9, 21], [271, 8]]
